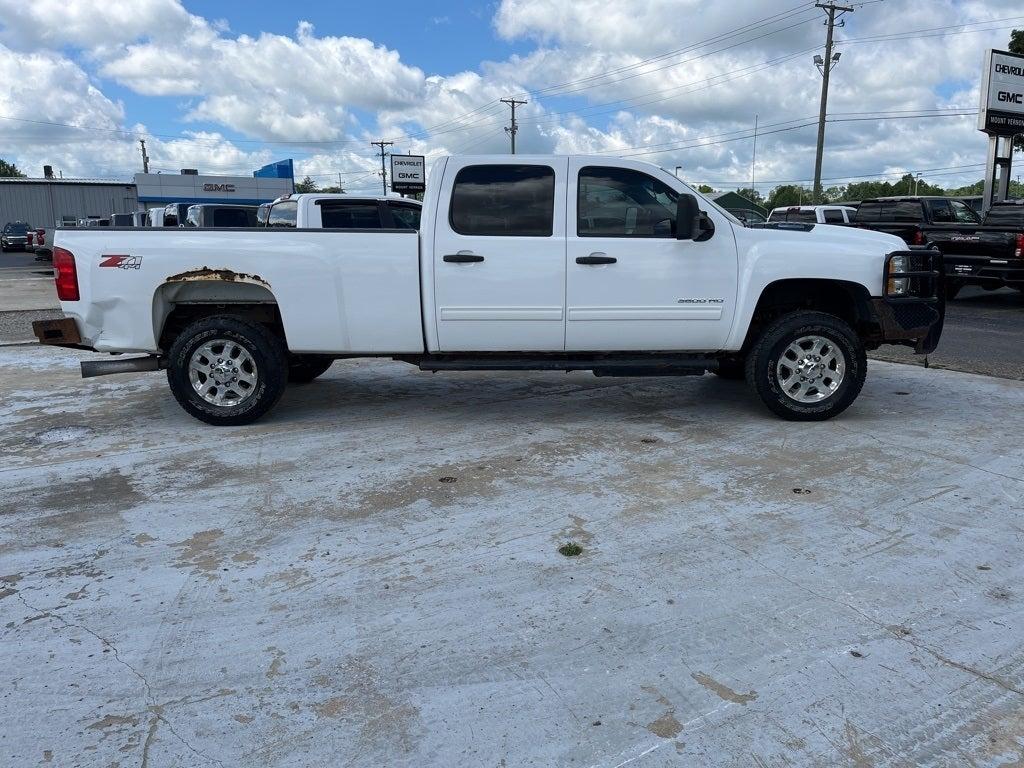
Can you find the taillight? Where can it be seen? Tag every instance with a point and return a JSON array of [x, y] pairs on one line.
[[1020, 246], [67, 274], [919, 238], [29, 238]]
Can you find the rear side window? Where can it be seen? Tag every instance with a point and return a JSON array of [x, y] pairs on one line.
[[794, 215], [941, 210], [283, 214], [504, 200], [833, 216], [404, 216], [233, 217], [342, 215], [192, 219], [891, 210]]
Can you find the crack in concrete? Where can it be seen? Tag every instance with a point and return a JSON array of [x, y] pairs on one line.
[[157, 710], [980, 674]]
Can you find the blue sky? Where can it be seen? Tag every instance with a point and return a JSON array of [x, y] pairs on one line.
[[181, 74]]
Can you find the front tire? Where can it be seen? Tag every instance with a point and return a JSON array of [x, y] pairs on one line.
[[807, 366], [226, 371]]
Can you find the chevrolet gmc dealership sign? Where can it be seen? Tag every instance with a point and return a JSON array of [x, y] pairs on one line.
[[408, 173], [1002, 94]]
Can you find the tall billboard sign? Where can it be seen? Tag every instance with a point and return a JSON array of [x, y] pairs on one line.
[[1002, 94], [408, 173]]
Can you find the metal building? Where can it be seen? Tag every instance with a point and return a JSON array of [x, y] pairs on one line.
[[45, 202]]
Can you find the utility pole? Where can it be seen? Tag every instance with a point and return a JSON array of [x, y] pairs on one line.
[[513, 129], [753, 159], [145, 157], [825, 66], [383, 170]]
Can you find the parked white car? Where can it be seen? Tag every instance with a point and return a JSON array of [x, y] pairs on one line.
[[521, 263], [816, 214]]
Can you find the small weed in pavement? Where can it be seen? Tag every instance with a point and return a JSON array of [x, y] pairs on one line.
[[572, 549]]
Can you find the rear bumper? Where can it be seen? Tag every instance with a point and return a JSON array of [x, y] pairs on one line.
[[59, 333], [985, 271]]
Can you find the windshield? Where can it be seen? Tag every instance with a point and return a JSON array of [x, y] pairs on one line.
[[17, 229]]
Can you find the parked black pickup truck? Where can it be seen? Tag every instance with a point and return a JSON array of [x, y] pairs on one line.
[[986, 253]]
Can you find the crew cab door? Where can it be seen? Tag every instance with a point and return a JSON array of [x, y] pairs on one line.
[[499, 256], [630, 284]]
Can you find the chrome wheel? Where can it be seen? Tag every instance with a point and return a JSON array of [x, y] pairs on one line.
[[811, 369], [223, 372]]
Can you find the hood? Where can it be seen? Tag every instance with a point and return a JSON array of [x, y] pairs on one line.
[[829, 236]]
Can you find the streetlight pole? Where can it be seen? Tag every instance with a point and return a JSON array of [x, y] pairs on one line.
[[825, 65]]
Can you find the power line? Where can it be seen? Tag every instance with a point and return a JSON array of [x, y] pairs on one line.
[[383, 171], [513, 129]]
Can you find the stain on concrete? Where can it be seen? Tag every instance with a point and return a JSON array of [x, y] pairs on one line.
[[142, 539], [79, 502], [724, 692], [199, 553], [332, 707], [274, 670], [114, 721], [666, 726]]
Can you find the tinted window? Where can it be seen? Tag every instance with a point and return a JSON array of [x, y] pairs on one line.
[[833, 216], [1006, 215], [192, 219], [908, 210], [869, 212], [342, 215], [941, 210], [963, 213], [16, 229], [618, 202], [504, 200], [232, 217], [283, 214], [261, 215], [405, 216]]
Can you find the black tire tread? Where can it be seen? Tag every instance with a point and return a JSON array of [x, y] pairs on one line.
[[798, 324], [273, 369]]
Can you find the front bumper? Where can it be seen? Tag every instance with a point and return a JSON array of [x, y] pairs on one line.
[[985, 271], [914, 319]]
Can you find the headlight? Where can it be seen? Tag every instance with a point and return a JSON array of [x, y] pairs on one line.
[[899, 286]]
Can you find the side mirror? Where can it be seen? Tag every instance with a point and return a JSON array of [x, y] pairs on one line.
[[687, 218]]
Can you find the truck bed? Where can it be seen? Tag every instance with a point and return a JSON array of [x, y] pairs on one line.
[[338, 291]]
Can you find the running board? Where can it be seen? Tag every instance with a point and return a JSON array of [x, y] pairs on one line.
[[91, 368], [611, 366]]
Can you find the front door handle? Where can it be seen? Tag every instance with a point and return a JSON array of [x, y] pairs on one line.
[[596, 258], [463, 258]]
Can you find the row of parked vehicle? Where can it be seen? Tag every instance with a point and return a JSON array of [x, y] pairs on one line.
[[983, 250]]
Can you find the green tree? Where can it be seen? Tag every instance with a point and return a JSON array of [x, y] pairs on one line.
[[752, 195], [787, 195], [306, 185], [10, 169], [704, 189]]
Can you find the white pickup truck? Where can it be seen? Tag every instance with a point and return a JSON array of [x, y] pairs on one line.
[[520, 263]]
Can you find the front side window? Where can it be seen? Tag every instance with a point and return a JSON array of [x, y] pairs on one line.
[[963, 213], [283, 214], [618, 202], [504, 200], [405, 216], [342, 215]]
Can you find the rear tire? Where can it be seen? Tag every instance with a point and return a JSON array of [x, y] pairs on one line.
[[302, 369], [227, 371], [807, 366]]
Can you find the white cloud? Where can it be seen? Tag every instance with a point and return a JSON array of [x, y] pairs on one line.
[[87, 23]]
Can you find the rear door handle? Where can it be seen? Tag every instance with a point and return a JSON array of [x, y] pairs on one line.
[[596, 258], [463, 258]]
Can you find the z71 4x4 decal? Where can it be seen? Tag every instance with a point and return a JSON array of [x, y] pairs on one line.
[[122, 262]]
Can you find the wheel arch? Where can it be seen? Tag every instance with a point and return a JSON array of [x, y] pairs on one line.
[[179, 302], [848, 300]]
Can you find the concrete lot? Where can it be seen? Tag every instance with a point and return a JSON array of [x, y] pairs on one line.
[[370, 577]]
